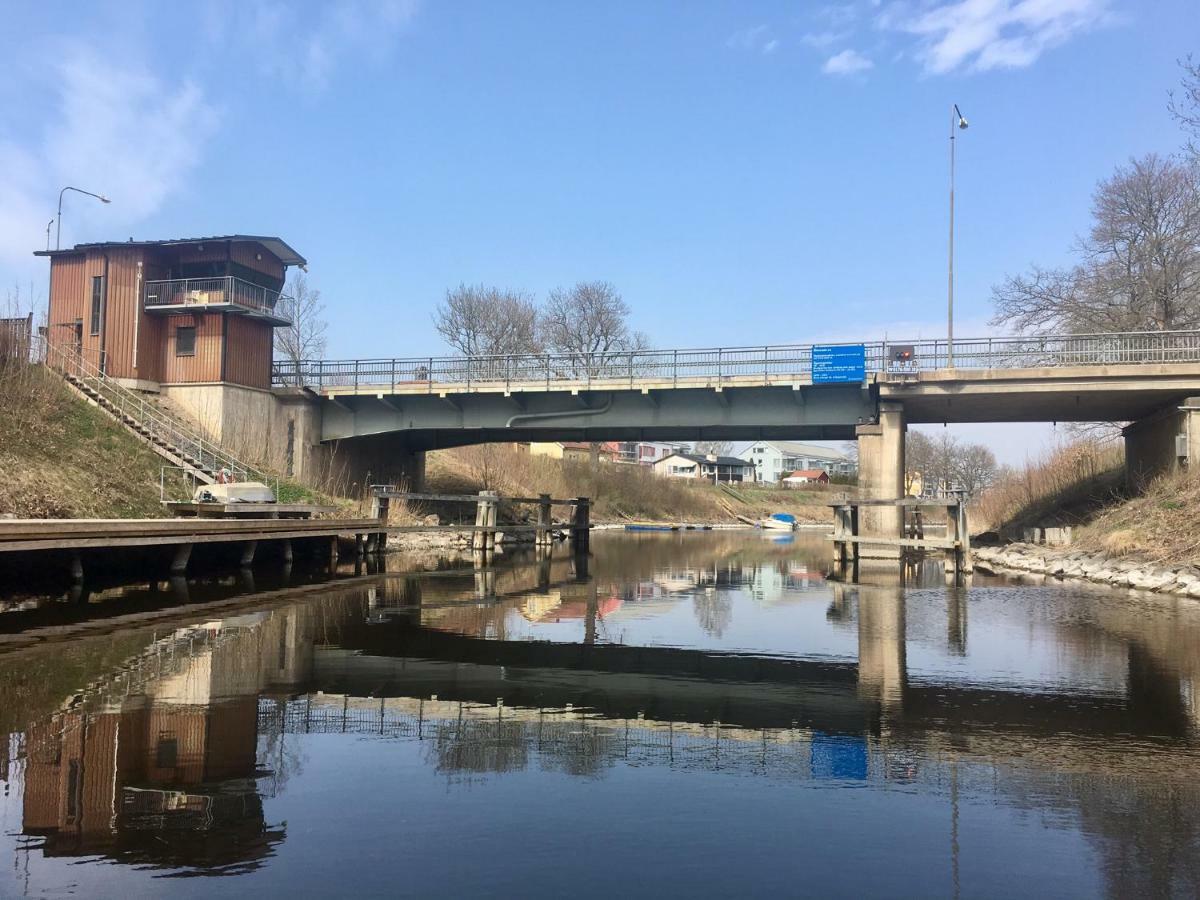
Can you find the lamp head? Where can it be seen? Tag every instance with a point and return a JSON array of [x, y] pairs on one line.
[[104, 199], [962, 123]]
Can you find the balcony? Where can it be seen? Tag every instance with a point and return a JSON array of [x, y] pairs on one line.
[[224, 294]]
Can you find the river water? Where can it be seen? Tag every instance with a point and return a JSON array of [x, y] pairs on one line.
[[679, 715]]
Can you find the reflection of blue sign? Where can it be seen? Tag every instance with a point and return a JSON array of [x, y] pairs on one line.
[[838, 756], [838, 363]]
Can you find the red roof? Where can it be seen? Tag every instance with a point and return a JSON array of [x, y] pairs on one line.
[[809, 473]]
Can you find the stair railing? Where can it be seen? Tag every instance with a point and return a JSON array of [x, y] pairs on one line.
[[162, 428]]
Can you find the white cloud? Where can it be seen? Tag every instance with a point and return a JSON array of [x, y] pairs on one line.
[[848, 62], [114, 128], [304, 48], [822, 40], [756, 39], [991, 34]]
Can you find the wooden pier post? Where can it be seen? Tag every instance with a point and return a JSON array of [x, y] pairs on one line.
[[582, 524], [542, 536], [381, 510]]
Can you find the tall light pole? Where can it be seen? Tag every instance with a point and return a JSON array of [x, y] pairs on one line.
[[58, 230], [957, 119]]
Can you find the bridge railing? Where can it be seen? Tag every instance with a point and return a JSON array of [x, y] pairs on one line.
[[765, 362]]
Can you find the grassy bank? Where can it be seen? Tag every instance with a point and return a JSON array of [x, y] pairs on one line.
[[1069, 486], [620, 493], [62, 457], [1083, 485]]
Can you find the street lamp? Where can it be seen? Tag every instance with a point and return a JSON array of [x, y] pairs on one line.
[[58, 230], [957, 119]]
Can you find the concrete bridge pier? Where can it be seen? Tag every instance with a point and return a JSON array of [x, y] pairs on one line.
[[881, 477], [1163, 442]]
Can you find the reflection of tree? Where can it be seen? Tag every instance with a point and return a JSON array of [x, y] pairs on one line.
[[275, 752], [714, 611]]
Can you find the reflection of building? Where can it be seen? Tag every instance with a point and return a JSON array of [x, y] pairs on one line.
[[157, 763], [180, 776]]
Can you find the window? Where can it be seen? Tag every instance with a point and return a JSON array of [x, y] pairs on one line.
[[185, 340], [166, 753], [97, 299]]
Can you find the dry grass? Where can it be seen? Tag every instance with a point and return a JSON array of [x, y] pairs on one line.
[[1066, 487], [1161, 526], [619, 493], [61, 457]]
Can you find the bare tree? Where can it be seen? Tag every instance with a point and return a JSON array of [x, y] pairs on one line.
[[589, 322], [716, 448], [974, 467], [485, 321], [1185, 105], [305, 337], [1139, 266], [936, 463]]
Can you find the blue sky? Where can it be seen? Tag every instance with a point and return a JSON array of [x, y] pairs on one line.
[[743, 172]]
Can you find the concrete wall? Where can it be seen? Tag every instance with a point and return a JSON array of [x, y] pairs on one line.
[[1150, 443], [281, 430], [254, 425]]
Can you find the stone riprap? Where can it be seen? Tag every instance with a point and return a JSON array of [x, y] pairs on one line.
[[1098, 568]]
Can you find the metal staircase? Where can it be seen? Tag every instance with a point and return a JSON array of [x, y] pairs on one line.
[[183, 445]]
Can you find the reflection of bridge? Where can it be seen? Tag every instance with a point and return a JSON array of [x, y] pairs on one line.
[[330, 664]]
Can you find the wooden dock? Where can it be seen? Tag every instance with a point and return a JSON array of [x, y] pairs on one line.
[[487, 505], [72, 536], [956, 545]]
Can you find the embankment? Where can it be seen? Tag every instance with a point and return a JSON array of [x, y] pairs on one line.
[[619, 493], [61, 457]]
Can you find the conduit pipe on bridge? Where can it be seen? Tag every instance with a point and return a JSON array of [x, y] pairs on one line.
[[563, 414]]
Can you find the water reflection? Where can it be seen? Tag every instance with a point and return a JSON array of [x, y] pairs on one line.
[[176, 750]]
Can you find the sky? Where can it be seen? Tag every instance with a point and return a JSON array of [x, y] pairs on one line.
[[744, 173]]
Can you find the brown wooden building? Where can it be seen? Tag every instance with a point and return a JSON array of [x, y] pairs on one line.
[[188, 311]]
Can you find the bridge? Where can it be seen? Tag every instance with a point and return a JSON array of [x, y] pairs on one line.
[[381, 410]]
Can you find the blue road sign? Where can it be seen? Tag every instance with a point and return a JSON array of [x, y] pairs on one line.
[[838, 363]]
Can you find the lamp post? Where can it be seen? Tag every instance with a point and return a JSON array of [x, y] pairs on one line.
[[959, 120], [58, 230]]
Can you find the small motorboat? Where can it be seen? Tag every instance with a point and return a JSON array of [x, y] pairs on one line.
[[779, 522]]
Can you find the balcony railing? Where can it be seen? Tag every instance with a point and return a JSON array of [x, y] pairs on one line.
[[226, 290], [764, 364]]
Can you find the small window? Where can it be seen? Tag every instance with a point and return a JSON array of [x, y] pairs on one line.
[[97, 298], [185, 340], [166, 753]]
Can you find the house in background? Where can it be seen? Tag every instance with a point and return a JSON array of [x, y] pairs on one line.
[[717, 469], [775, 460], [806, 476], [575, 451], [646, 453]]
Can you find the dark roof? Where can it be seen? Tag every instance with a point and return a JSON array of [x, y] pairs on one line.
[[720, 460], [278, 246]]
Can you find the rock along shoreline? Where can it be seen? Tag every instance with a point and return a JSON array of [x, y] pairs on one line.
[[1094, 567]]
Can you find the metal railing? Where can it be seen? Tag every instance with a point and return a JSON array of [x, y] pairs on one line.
[[757, 364], [184, 441], [206, 291]]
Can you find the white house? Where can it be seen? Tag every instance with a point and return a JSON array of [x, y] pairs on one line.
[[710, 468], [774, 460]]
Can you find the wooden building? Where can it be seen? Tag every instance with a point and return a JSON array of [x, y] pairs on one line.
[[174, 312]]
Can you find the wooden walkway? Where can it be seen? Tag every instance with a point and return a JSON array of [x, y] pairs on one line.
[[74, 535]]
